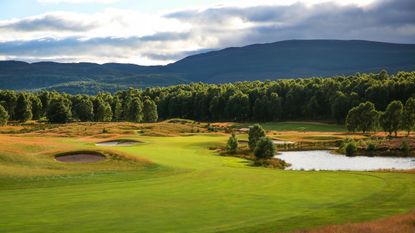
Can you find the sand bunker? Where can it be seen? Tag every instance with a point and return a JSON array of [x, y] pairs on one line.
[[80, 158], [117, 143]]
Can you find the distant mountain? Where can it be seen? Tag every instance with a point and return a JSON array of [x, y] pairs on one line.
[[296, 58], [285, 59], [78, 77]]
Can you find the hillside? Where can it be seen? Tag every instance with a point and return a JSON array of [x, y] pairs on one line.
[[285, 59], [81, 77], [296, 58]]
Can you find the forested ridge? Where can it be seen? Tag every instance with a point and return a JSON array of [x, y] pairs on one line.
[[292, 99], [278, 60]]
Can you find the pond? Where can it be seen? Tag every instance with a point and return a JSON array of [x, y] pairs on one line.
[[324, 160]]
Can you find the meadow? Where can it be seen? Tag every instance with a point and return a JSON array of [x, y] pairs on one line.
[[175, 181]]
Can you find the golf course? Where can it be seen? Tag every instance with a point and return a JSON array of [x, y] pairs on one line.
[[175, 183]]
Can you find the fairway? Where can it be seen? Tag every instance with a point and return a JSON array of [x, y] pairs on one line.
[[189, 188], [302, 126], [221, 116]]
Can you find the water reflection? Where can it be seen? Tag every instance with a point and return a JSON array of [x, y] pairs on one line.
[[324, 160]]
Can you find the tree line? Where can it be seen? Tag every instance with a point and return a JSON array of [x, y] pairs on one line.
[[62, 108], [396, 116], [290, 99]]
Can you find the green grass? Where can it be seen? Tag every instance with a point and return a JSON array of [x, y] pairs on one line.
[[302, 126], [191, 189]]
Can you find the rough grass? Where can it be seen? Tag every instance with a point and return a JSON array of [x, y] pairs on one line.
[[29, 156], [185, 188], [397, 224], [107, 129]]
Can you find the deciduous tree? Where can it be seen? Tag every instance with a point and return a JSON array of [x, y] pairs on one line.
[[390, 120], [363, 118]]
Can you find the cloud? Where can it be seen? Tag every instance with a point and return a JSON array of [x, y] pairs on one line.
[[143, 50], [392, 21], [49, 22], [107, 23], [78, 1], [117, 35]]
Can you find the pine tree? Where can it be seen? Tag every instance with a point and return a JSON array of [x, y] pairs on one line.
[[262, 109], [264, 148], [255, 133], [275, 107], [149, 111], [117, 110], [37, 107], [59, 111], [4, 116], [23, 111], [408, 115], [232, 145], [102, 110], [136, 110], [238, 107], [83, 109], [9, 99]]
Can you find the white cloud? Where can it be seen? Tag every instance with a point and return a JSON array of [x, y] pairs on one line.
[[108, 23], [119, 35], [77, 1]]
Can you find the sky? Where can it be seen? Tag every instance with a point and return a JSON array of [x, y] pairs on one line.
[[159, 32]]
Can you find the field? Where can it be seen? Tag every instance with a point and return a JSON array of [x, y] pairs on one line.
[[302, 126], [175, 182]]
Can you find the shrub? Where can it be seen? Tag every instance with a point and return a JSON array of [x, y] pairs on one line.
[[271, 163], [255, 133], [232, 144], [350, 148], [371, 147], [264, 148], [405, 146], [346, 141], [211, 128]]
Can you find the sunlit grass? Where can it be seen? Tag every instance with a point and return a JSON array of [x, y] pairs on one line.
[[177, 185]]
